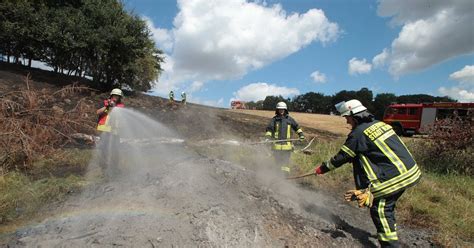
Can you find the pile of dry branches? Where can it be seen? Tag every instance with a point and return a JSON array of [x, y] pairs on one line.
[[35, 123]]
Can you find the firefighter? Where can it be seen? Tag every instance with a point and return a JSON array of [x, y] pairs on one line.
[[183, 98], [171, 96], [382, 166], [280, 128], [108, 127]]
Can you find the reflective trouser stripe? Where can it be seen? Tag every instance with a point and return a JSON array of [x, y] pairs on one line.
[[286, 147], [299, 131], [380, 142], [387, 235]]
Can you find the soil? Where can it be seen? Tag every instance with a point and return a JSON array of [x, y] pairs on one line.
[[190, 200], [331, 123]]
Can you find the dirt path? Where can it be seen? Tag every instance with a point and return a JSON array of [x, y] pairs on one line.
[[191, 201]]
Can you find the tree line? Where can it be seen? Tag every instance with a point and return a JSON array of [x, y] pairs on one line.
[[313, 102], [86, 38]]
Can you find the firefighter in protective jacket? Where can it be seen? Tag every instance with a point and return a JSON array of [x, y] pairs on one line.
[[280, 128], [107, 125], [382, 165]]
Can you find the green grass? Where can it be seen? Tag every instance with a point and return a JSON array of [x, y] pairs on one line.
[[21, 197], [440, 202], [24, 193], [322, 151]]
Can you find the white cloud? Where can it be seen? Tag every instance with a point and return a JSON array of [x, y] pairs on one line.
[[163, 37], [432, 32], [359, 66], [463, 95], [195, 86], [214, 103], [318, 77], [258, 91], [380, 59], [464, 91], [465, 75], [221, 40]]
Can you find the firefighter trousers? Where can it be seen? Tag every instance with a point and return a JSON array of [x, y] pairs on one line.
[[282, 160], [109, 154], [383, 216]]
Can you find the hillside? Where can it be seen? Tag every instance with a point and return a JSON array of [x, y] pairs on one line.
[[187, 176]]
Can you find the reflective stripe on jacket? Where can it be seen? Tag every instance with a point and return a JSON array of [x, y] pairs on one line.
[[380, 159], [279, 128], [103, 122]]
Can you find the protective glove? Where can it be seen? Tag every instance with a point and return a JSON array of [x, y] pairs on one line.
[[363, 197], [111, 104], [302, 137], [318, 170]]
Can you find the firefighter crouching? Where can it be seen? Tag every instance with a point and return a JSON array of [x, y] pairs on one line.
[[382, 165], [280, 128], [109, 139]]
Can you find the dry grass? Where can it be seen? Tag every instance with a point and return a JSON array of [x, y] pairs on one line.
[[33, 125], [331, 123], [443, 203]]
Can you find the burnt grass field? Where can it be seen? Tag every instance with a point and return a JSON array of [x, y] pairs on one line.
[[199, 192]]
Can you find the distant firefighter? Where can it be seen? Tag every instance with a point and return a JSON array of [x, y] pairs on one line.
[[183, 97], [280, 128]]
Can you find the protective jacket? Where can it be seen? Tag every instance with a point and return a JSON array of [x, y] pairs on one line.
[[380, 159], [103, 123], [279, 128]]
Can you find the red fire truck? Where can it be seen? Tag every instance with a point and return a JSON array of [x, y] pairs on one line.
[[409, 119], [238, 105]]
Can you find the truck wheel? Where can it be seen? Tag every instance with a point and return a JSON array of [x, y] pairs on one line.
[[398, 129]]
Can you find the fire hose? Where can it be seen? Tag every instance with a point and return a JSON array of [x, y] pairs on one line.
[[301, 176], [273, 141]]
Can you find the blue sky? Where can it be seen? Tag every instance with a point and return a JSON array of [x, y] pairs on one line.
[[219, 50]]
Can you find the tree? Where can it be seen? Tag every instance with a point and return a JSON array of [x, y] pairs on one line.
[[312, 102], [364, 95], [423, 98], [381, 102], [255, 105], [96, 38], [270, 102]]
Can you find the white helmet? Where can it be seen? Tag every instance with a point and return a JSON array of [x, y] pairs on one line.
[[117, 92], [281, 105], [350, 107]]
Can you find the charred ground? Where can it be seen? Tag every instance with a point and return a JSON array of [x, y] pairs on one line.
[[238, 205]]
